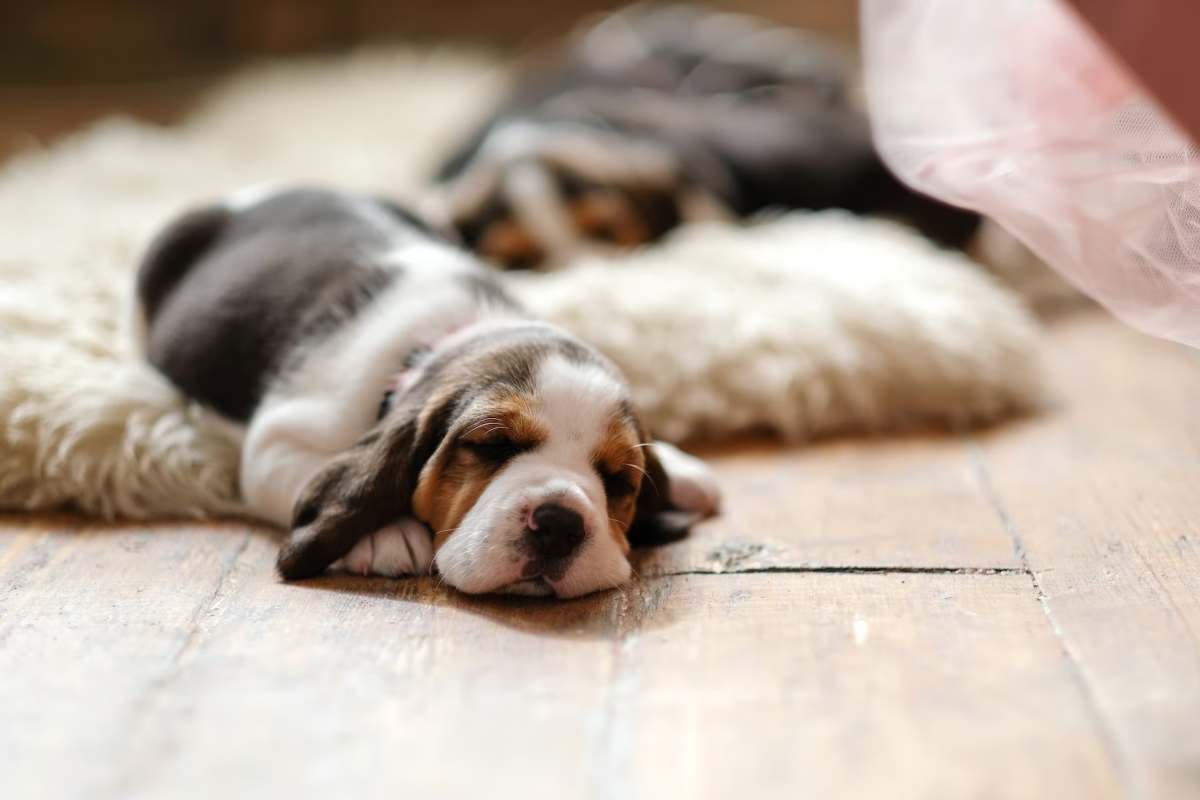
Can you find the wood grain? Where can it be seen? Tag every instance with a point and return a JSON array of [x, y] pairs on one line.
[[221, 680], [851, 685], [845, 504], [1104, 498], [91, 619], [1000, 616]]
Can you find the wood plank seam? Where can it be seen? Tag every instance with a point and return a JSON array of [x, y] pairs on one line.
[[144, 715], [1104, 726], [612, 765], [202, 610], [839, 569]]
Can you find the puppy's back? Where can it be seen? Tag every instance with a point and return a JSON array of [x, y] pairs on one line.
[[227, 293]]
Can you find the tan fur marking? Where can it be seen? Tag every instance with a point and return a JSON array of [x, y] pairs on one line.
[[454, 478], [618, 452], [514, 415], [605, 215], [507, 242], [618, 447], [452, 494]]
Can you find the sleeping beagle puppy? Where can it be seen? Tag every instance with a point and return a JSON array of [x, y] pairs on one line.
[[399, 412], [656, 116]]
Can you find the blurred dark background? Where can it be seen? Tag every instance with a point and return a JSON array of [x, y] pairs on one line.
[[64, 63]]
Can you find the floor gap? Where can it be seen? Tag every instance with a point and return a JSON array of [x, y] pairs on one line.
[[1105, 730], [845, 570]]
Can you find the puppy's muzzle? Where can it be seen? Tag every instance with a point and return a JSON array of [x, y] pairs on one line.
[[553, 535]]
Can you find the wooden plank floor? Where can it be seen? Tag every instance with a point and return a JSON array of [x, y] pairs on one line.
[[1005, 615]]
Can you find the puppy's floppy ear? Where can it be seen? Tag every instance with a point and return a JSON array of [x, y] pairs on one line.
[[656, 521], [357, 492], [361, 490], [175, 250]]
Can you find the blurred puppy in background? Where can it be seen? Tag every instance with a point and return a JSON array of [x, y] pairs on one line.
[[658, 116]]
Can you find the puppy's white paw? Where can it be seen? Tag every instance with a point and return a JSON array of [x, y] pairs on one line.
[[693, 484], [405, 548]]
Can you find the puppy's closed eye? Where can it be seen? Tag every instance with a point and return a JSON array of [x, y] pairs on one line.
[[495, 449], [618, 484]]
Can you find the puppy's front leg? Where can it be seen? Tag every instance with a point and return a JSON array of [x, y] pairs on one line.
[[360, 494], [403, 548], [284, 448]]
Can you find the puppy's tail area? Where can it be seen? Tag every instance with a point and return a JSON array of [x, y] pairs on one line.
[[173, 253]]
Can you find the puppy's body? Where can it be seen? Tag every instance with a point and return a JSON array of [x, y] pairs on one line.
[[295, 269], [387, 384]]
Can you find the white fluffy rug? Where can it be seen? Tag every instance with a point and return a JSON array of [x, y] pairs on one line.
[[802, 325]]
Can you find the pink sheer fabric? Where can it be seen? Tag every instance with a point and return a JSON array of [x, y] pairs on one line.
[[1014, 108]]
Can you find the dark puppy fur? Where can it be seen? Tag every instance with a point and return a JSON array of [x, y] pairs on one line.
[[268, 302], [657, 116], [386, 385]]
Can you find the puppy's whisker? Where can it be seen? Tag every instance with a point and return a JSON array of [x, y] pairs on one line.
[[492, 423], [486, 428], [485, 431], [646, 475]]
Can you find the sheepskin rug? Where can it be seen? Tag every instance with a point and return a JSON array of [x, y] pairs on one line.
[[801, 325]]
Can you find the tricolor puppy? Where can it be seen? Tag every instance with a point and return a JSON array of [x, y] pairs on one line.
[[399, 411], [656, 116]]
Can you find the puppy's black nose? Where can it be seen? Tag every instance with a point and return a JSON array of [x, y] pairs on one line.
[[556, 531]]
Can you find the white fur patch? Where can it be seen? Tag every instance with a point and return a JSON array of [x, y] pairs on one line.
[[537, 205], [249, 196], [405, 548]]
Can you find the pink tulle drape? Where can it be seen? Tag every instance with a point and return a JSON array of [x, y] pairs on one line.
[[1014, 108]]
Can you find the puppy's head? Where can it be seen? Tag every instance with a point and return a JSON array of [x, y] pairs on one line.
[[536, 193], [520, 450]]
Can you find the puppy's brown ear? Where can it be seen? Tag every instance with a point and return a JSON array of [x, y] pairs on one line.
[[357, 492], [361, 490], [656, 521], [174, 251]]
